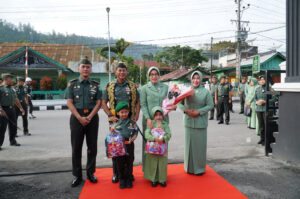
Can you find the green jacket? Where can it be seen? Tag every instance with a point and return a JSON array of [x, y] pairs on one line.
[[7, 95], [84, 93], [126, 128], [21, 92], [151, 96], [242, 88], [202, 101], [213, 88], [223, 89], [260, 94]]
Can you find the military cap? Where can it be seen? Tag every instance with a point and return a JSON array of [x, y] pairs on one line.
[[262, 76], [21, 79], [85, 60], [6, 75], [122, 105]]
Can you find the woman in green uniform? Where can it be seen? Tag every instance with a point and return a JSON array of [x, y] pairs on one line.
[[196, 108], [152, 94], [250, 101]]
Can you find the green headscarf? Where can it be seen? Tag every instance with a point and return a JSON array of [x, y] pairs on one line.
[[197, 72], [149, 70], [254, 80], [155, 109]]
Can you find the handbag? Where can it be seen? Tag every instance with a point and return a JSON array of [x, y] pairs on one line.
[[248, 111], [154, 147]]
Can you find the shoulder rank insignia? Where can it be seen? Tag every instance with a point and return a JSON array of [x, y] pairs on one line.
[[95, 81]]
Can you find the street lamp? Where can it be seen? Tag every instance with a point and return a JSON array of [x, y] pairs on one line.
[[108, 41]]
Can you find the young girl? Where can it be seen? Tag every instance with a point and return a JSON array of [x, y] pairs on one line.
[[156, 165]]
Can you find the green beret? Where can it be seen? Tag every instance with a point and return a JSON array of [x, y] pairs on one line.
[[6, 75], [122, 105], [21, 79], [85, 60]]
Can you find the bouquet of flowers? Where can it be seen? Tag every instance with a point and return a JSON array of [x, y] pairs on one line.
[[155, 147], [175, 95], [115, 147]]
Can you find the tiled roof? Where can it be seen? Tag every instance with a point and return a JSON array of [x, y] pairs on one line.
[[181, 72], [61, 53]]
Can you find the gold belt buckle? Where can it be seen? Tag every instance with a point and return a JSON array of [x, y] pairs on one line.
[[85, 111], [10, 107]]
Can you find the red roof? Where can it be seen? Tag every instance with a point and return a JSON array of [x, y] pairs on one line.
[[152, 63]]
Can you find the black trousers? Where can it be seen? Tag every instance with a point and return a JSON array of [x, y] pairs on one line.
[[242, 102], [11, 123], [77, 136], [223, 106], [261, 124], [30, 105], [212, 112], [125, 163], [24, 117]]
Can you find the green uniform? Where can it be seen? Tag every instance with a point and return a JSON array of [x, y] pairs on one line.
[[242, 96], [85, 94], [152, 95], [156, 165], [22, 92], [252, 120], [223, 104], [213, 89], [7, 101], [125, 163], [260, 94], [116, 92], [195, 135]]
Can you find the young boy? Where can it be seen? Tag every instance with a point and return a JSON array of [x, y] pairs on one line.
[[128, 130], [156, 165]]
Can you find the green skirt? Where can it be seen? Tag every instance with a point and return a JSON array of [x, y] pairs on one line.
[[195, 147]]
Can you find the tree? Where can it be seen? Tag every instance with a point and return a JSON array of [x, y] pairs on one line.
[[177, 56], [119, 49], [61, 81], [46, 83], [148, 57]]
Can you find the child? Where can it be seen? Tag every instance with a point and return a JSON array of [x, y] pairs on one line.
[[128, 130], [156, 165]]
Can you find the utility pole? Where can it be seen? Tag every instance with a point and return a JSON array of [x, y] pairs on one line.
[[108, 41], [211, 58], [241, 36]]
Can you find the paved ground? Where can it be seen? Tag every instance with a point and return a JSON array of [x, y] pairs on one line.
[[232, 152]]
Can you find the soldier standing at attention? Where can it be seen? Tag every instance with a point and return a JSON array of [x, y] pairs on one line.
[[8, 99], [241, 91], [22, 92], [230, 90], [222, 99], [213, 88], [84, 101], [120, 90]]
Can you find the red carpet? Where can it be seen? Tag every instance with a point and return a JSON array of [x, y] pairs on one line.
[[179, 185]]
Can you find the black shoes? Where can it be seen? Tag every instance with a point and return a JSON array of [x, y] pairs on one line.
[[211, 118], [227, 123], [129, 183], [220, 122], [123, 183], [164, 184], [76, 181], [241, 112], [132, 178], [92, 178], [15, 143], [115, 179], [262, 142], [154, 184], [0, 148], [26, 133]]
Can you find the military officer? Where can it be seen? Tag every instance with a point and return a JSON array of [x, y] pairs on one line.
[[222, 99], [260, 102], [231, 90], [28, 83], [213, 88], [22, 91], [7, 111], [116, 91], [241, 91], [84, 101]]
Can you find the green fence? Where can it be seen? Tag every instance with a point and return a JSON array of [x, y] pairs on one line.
[[48, 94]]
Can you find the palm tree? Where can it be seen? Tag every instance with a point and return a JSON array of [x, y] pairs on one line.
[[119, 49]]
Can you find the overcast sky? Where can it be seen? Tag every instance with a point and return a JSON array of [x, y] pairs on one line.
[[164, 22]]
